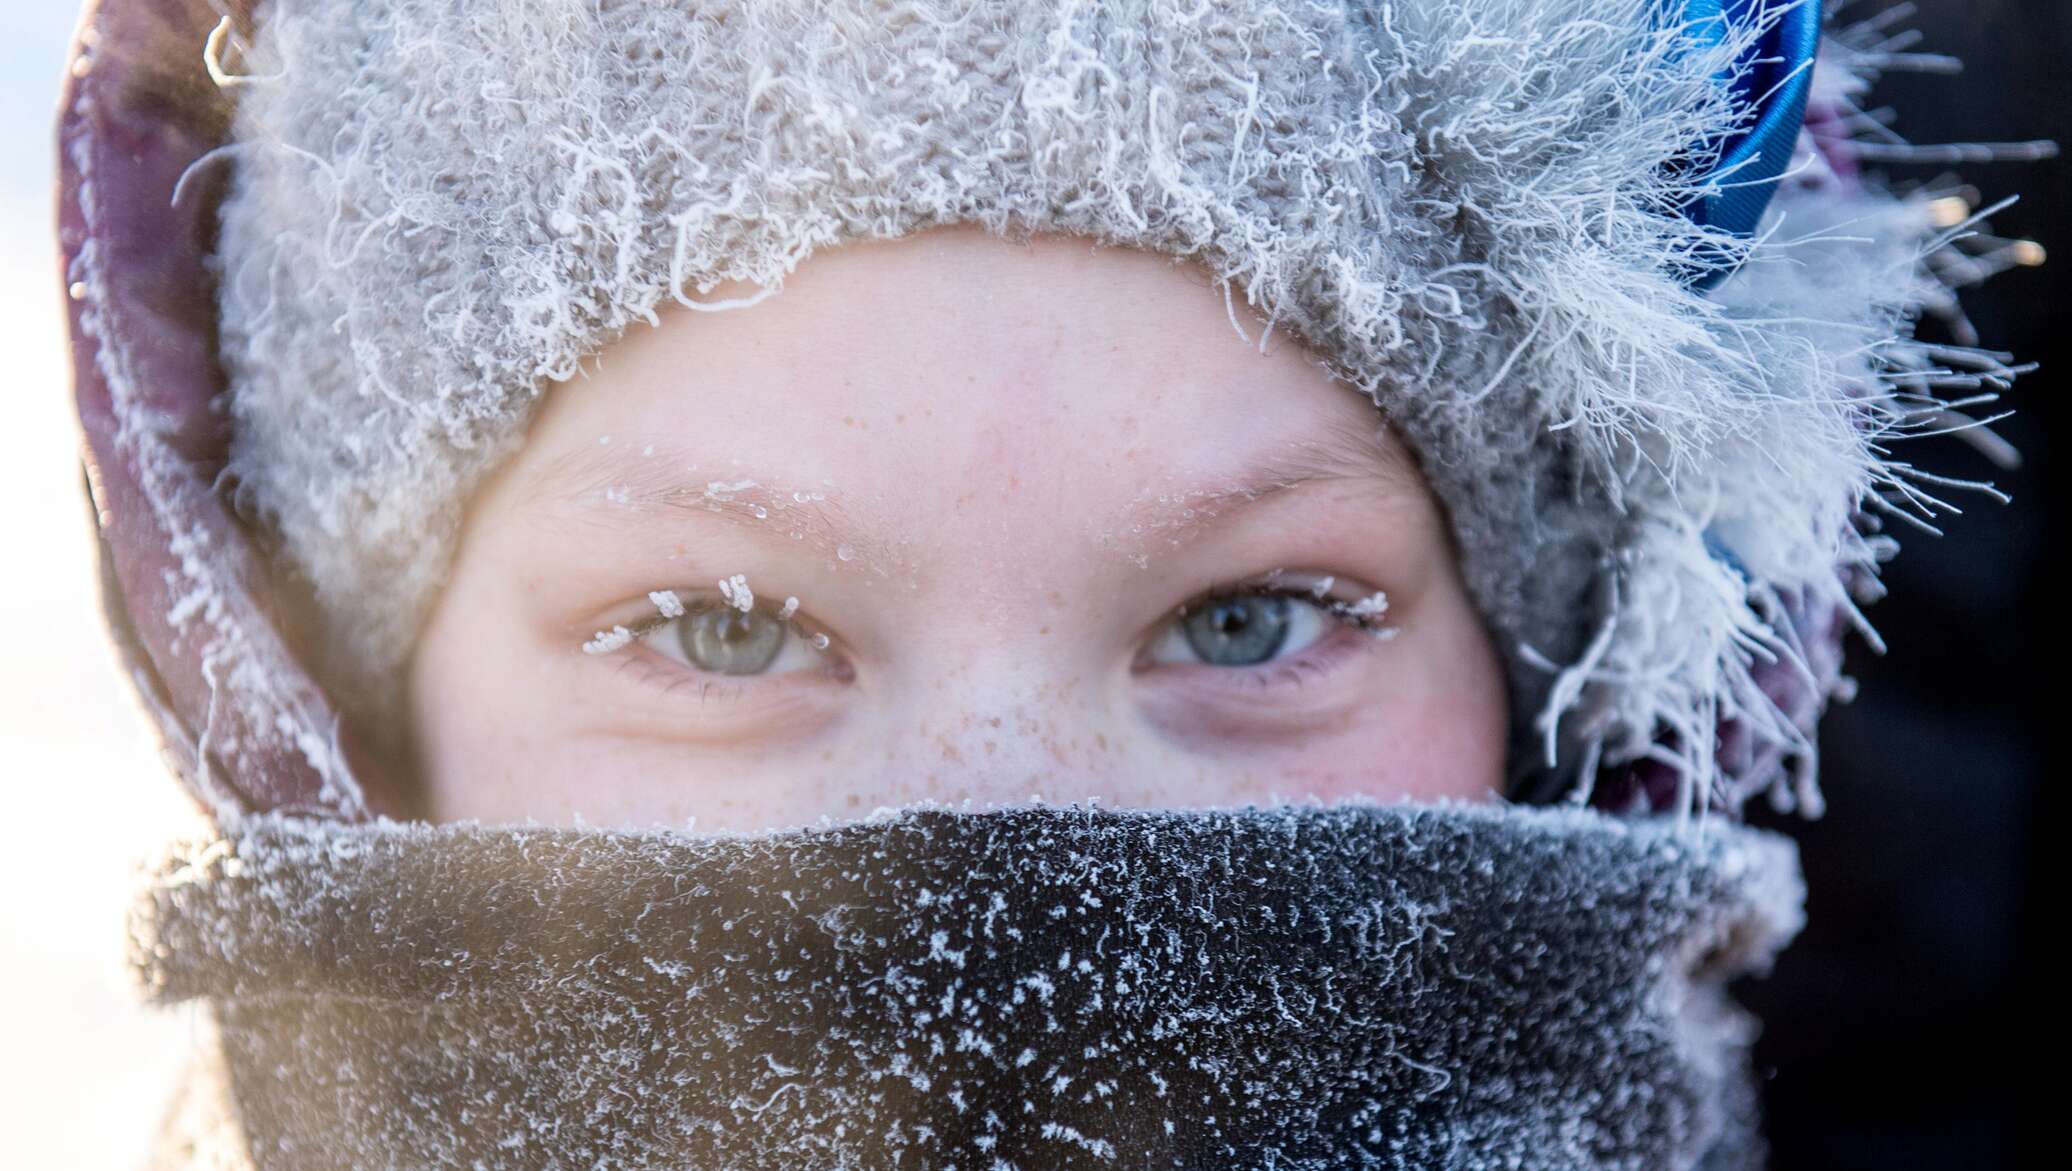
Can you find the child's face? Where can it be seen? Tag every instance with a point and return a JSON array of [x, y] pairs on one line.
[[1052, 527]]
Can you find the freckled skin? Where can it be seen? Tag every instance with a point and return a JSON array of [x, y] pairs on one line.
[[986, 418]]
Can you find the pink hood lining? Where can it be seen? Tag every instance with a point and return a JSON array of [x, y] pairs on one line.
[[185, 586]]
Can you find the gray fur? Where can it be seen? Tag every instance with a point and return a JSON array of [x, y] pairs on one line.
[[1353, 986], [441, 207]]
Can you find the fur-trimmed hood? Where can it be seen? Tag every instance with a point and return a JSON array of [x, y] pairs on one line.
[[1667, 492]]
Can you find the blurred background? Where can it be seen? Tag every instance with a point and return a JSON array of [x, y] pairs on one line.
[[1900, 1029]]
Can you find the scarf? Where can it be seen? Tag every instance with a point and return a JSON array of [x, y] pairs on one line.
[[1343, 986]]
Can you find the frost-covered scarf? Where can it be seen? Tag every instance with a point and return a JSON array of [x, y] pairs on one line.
[[1034, 988]]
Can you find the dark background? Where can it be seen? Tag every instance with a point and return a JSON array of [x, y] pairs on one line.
[[1909, 1026]]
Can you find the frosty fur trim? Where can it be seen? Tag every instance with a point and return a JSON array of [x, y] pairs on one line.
[[1316, 987], [1465, 208]]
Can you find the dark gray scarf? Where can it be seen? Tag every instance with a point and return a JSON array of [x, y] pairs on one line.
[[1037, 988]]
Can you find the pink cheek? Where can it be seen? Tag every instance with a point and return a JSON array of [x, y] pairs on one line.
[[1423, 752]]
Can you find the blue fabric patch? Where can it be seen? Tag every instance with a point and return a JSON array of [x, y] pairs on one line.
[[1779, 77], [1724, 555]]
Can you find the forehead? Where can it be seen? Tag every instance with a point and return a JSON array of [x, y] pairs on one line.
[[953, 368]]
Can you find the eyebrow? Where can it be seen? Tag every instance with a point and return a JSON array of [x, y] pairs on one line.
[[1351, 453], [598, 483], [601, 482]]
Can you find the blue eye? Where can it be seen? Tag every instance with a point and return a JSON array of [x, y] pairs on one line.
[[1239, 632], [1253, 623], [1243, 629]]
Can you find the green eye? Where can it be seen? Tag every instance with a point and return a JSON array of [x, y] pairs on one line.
[[728, 641], [729, 636], [1239, 632]]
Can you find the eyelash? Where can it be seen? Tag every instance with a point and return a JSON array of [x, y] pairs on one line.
[[1279, 672], [693, 604], [1343, 611], [673, 678]]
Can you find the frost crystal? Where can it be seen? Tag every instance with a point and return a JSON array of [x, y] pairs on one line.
[[667, 602], [1374, 605], [608, 641], [791, 606], [735, 590]]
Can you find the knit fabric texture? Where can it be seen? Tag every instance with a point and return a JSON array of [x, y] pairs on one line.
[[1352, 986], [1470, 211]]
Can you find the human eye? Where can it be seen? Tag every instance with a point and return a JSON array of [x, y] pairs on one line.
[[721, 639], [733, 633], [1261, 623]]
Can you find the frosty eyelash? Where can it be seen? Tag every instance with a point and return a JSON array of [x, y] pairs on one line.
[[1364, 614], [671, 605], [607, 641]]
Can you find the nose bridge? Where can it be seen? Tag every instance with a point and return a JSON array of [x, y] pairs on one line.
[[1002, 719], [1004, 688], [1008, 704]]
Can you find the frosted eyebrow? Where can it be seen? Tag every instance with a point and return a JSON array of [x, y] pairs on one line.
[[621, 482]]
